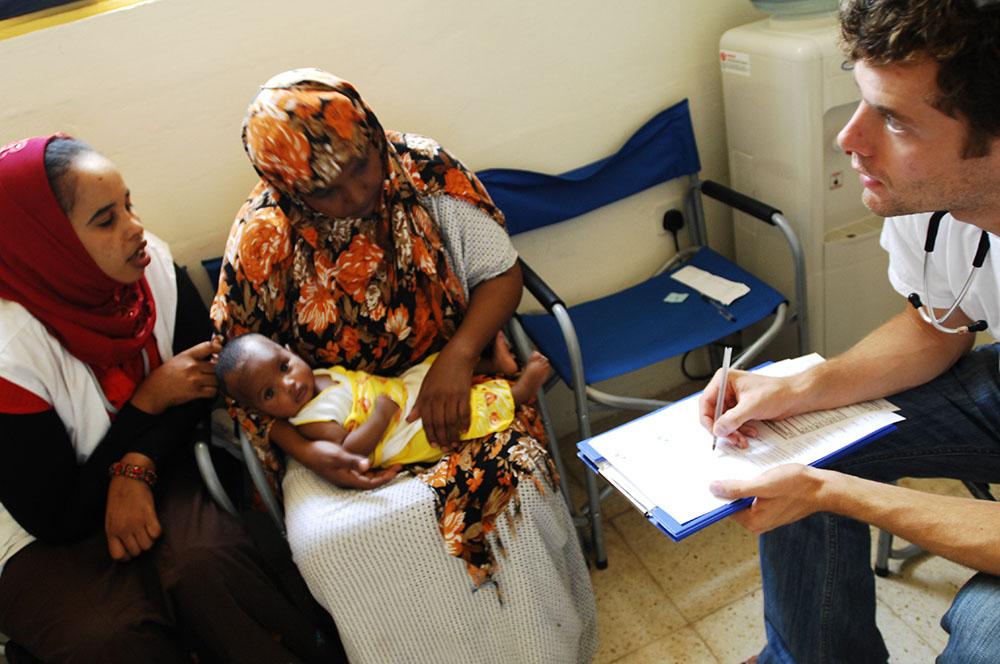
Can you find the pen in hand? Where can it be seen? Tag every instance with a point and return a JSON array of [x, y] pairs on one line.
[[720, 397]]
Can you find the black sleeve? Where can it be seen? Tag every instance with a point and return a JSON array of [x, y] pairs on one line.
[[192, 326], [42, 485]]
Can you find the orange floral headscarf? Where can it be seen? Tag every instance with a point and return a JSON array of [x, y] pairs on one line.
[[303, 127], [375, 293]]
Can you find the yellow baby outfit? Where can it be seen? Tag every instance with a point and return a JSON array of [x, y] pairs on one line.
[[351, 399]]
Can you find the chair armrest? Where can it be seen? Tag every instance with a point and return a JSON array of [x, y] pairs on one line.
[[260, 483], [211, 479], [206, 467], [774, 217], [741, 202], [538, 288]]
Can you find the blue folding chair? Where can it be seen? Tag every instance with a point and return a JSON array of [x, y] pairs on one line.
[[614, 335]]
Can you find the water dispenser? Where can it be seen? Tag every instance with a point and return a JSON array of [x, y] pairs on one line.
[[788, 90]]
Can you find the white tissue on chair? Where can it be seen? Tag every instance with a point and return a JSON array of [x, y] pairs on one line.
[[718, 288]]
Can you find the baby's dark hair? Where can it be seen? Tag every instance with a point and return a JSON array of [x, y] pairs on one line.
[[232, 355], [60, 153]]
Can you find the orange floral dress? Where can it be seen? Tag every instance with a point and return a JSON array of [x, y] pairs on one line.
[[376, 294]]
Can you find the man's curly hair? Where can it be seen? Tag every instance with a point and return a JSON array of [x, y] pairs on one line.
[[962, 36]]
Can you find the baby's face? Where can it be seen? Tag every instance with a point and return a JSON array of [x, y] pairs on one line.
[[273, 380]]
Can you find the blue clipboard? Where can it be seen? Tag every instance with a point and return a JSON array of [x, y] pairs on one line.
[[678, 531]]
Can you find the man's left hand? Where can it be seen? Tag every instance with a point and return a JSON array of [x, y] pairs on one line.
[[781, 495]]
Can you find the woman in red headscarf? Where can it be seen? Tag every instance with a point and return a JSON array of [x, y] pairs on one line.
[[373, 249], [109, 550]]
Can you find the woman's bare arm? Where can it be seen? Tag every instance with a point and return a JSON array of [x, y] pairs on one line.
[[443, 402]]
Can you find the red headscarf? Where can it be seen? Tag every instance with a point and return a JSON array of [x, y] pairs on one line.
[[45, 268]]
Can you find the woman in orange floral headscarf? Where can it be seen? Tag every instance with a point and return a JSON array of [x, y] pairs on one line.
[[373, 249]]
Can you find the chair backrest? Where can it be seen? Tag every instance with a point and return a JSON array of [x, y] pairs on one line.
[[213, 266], [662, 149]]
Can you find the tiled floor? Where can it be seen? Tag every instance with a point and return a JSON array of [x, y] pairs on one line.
[[700, 600]]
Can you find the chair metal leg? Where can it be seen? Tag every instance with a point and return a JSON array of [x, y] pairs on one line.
[[886, 552], [211, 479], [980, 490], [882, 554], [592, 513], [522, 348], [583, 418], [593, 493], [543, 409], [260, 483], [596, 522]]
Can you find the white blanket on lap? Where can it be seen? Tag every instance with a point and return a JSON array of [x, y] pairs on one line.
[[377, 562]]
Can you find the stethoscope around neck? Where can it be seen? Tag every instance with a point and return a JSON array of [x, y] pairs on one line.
[[977, 262]]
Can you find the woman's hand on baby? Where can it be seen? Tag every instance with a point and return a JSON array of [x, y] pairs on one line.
[[130, 522], [188, 375], [335, 464], [443, 401]]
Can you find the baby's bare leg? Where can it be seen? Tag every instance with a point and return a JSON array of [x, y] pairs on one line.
[[532, 378], [497, 358]]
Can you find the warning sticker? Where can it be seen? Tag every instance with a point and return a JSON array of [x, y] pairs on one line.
[[734, 61]]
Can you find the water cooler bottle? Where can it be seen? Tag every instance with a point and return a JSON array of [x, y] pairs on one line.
[[788, 91]]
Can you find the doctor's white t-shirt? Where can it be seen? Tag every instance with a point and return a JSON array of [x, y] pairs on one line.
[[948, 266]]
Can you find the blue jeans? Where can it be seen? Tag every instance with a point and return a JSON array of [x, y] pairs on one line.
[[819, 589]]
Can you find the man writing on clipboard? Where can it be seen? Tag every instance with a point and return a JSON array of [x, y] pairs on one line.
[[924, 138]]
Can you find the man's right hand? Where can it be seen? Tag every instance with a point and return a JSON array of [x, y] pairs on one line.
[[749, 397], [335, 464], [902, 353]]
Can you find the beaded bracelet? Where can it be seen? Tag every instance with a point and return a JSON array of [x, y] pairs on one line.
[[133, 472]]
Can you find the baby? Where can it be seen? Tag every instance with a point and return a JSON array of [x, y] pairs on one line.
[[360, 410]]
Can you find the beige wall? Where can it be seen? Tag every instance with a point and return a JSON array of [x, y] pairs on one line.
[[161, 89]]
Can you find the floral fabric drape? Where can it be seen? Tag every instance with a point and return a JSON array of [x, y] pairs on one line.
[[376, 293]]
